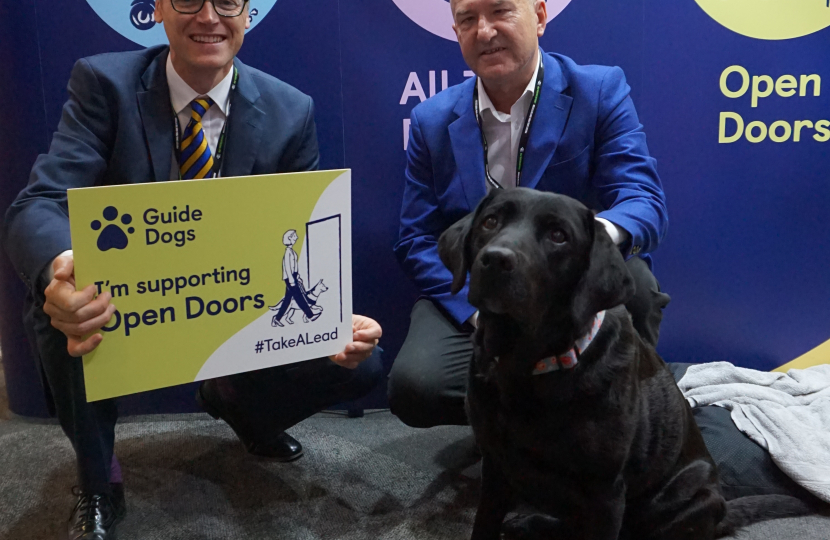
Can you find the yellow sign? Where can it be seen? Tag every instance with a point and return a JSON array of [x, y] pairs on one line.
[[214, 277], [770, 19]]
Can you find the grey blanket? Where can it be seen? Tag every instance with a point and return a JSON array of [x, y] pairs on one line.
[[788, 414]]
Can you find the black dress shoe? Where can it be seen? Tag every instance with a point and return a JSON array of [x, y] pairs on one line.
[[282, 447], [95, 515]]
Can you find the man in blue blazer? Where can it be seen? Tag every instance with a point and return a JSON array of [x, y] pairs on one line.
[[584, 141], [120, 126]]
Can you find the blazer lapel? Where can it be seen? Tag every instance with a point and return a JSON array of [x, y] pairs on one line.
[[244, 126], [551, 118], [465, 137], [157, 117]]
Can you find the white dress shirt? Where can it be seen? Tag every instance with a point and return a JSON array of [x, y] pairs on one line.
[[181, 95], [504, 132]]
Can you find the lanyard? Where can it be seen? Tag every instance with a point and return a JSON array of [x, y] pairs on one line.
[[220, 146], [531, 114]]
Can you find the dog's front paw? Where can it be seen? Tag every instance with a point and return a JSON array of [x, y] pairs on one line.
[[532, 527]]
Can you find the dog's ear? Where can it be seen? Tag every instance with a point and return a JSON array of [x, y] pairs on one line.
[[452, 248], [454, 245], [607, 282]]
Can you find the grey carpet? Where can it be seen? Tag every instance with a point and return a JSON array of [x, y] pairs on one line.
[[188, 478]]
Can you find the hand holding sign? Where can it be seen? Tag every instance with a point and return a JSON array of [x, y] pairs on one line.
[[76, 313], [366, 333]]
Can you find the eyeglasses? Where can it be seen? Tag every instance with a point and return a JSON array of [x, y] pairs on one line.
[[224, 8]]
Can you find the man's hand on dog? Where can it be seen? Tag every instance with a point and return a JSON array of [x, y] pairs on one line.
[[76, 313], [366, 334]]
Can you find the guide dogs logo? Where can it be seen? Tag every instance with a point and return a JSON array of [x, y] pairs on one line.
[[770, 19], [435, 15], [113, 236], [134, 20]]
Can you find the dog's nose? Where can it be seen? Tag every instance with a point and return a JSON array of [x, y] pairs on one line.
[[499, 259]]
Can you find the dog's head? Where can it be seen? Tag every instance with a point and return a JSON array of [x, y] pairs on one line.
[[536, 258], [321, 287]]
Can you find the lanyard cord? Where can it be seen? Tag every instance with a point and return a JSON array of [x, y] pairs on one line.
[[220, 146], [531, 114]]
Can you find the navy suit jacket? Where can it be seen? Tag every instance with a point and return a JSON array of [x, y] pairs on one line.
[[117, 128], [586, 142]]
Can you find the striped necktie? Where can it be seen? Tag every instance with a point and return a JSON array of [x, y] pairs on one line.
[[195, 159]]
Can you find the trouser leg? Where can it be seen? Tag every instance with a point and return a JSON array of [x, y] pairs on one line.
[[646, 307], [286, 302], [274, 399], [428, 381], [89, 426], [299, 297]]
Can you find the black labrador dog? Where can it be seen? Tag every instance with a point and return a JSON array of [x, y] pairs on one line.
[[573, 412]]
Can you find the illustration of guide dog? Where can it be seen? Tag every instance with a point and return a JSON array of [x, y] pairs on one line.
[[296, 296]]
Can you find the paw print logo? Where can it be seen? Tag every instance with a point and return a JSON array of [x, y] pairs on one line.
[[113, 236]]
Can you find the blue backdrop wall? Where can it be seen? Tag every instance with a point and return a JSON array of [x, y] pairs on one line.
[[748, 246]]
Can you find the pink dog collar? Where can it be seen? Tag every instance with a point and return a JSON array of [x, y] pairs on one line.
[[570, 358]]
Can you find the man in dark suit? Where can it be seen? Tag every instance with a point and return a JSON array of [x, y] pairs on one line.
[[584, 140], [156, 115]]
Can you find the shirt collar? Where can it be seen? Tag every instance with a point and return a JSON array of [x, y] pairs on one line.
[[484, 100], [181, 94]]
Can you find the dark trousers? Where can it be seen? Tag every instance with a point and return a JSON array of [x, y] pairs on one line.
[[271, 400], [296, 292], [428, 381]]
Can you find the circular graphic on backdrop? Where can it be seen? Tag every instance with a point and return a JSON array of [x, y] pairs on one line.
[[770, 19], [133, 19], [435, 15]]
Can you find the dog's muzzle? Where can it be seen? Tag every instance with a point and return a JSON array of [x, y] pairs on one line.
[[498, 261], [494, 280]]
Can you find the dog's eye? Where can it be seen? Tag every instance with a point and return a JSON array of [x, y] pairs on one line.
[[491, 222], [557, 236]]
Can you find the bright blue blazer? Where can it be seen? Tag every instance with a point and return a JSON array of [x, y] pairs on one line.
[[586, 142]]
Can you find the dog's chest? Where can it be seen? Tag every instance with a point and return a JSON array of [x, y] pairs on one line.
[[531, 437]]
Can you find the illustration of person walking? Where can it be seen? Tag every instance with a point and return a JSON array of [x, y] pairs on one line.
[[294, 289]]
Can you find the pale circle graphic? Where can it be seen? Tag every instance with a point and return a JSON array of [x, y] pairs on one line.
[[770, 19], [133, 19], [435, 15]]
